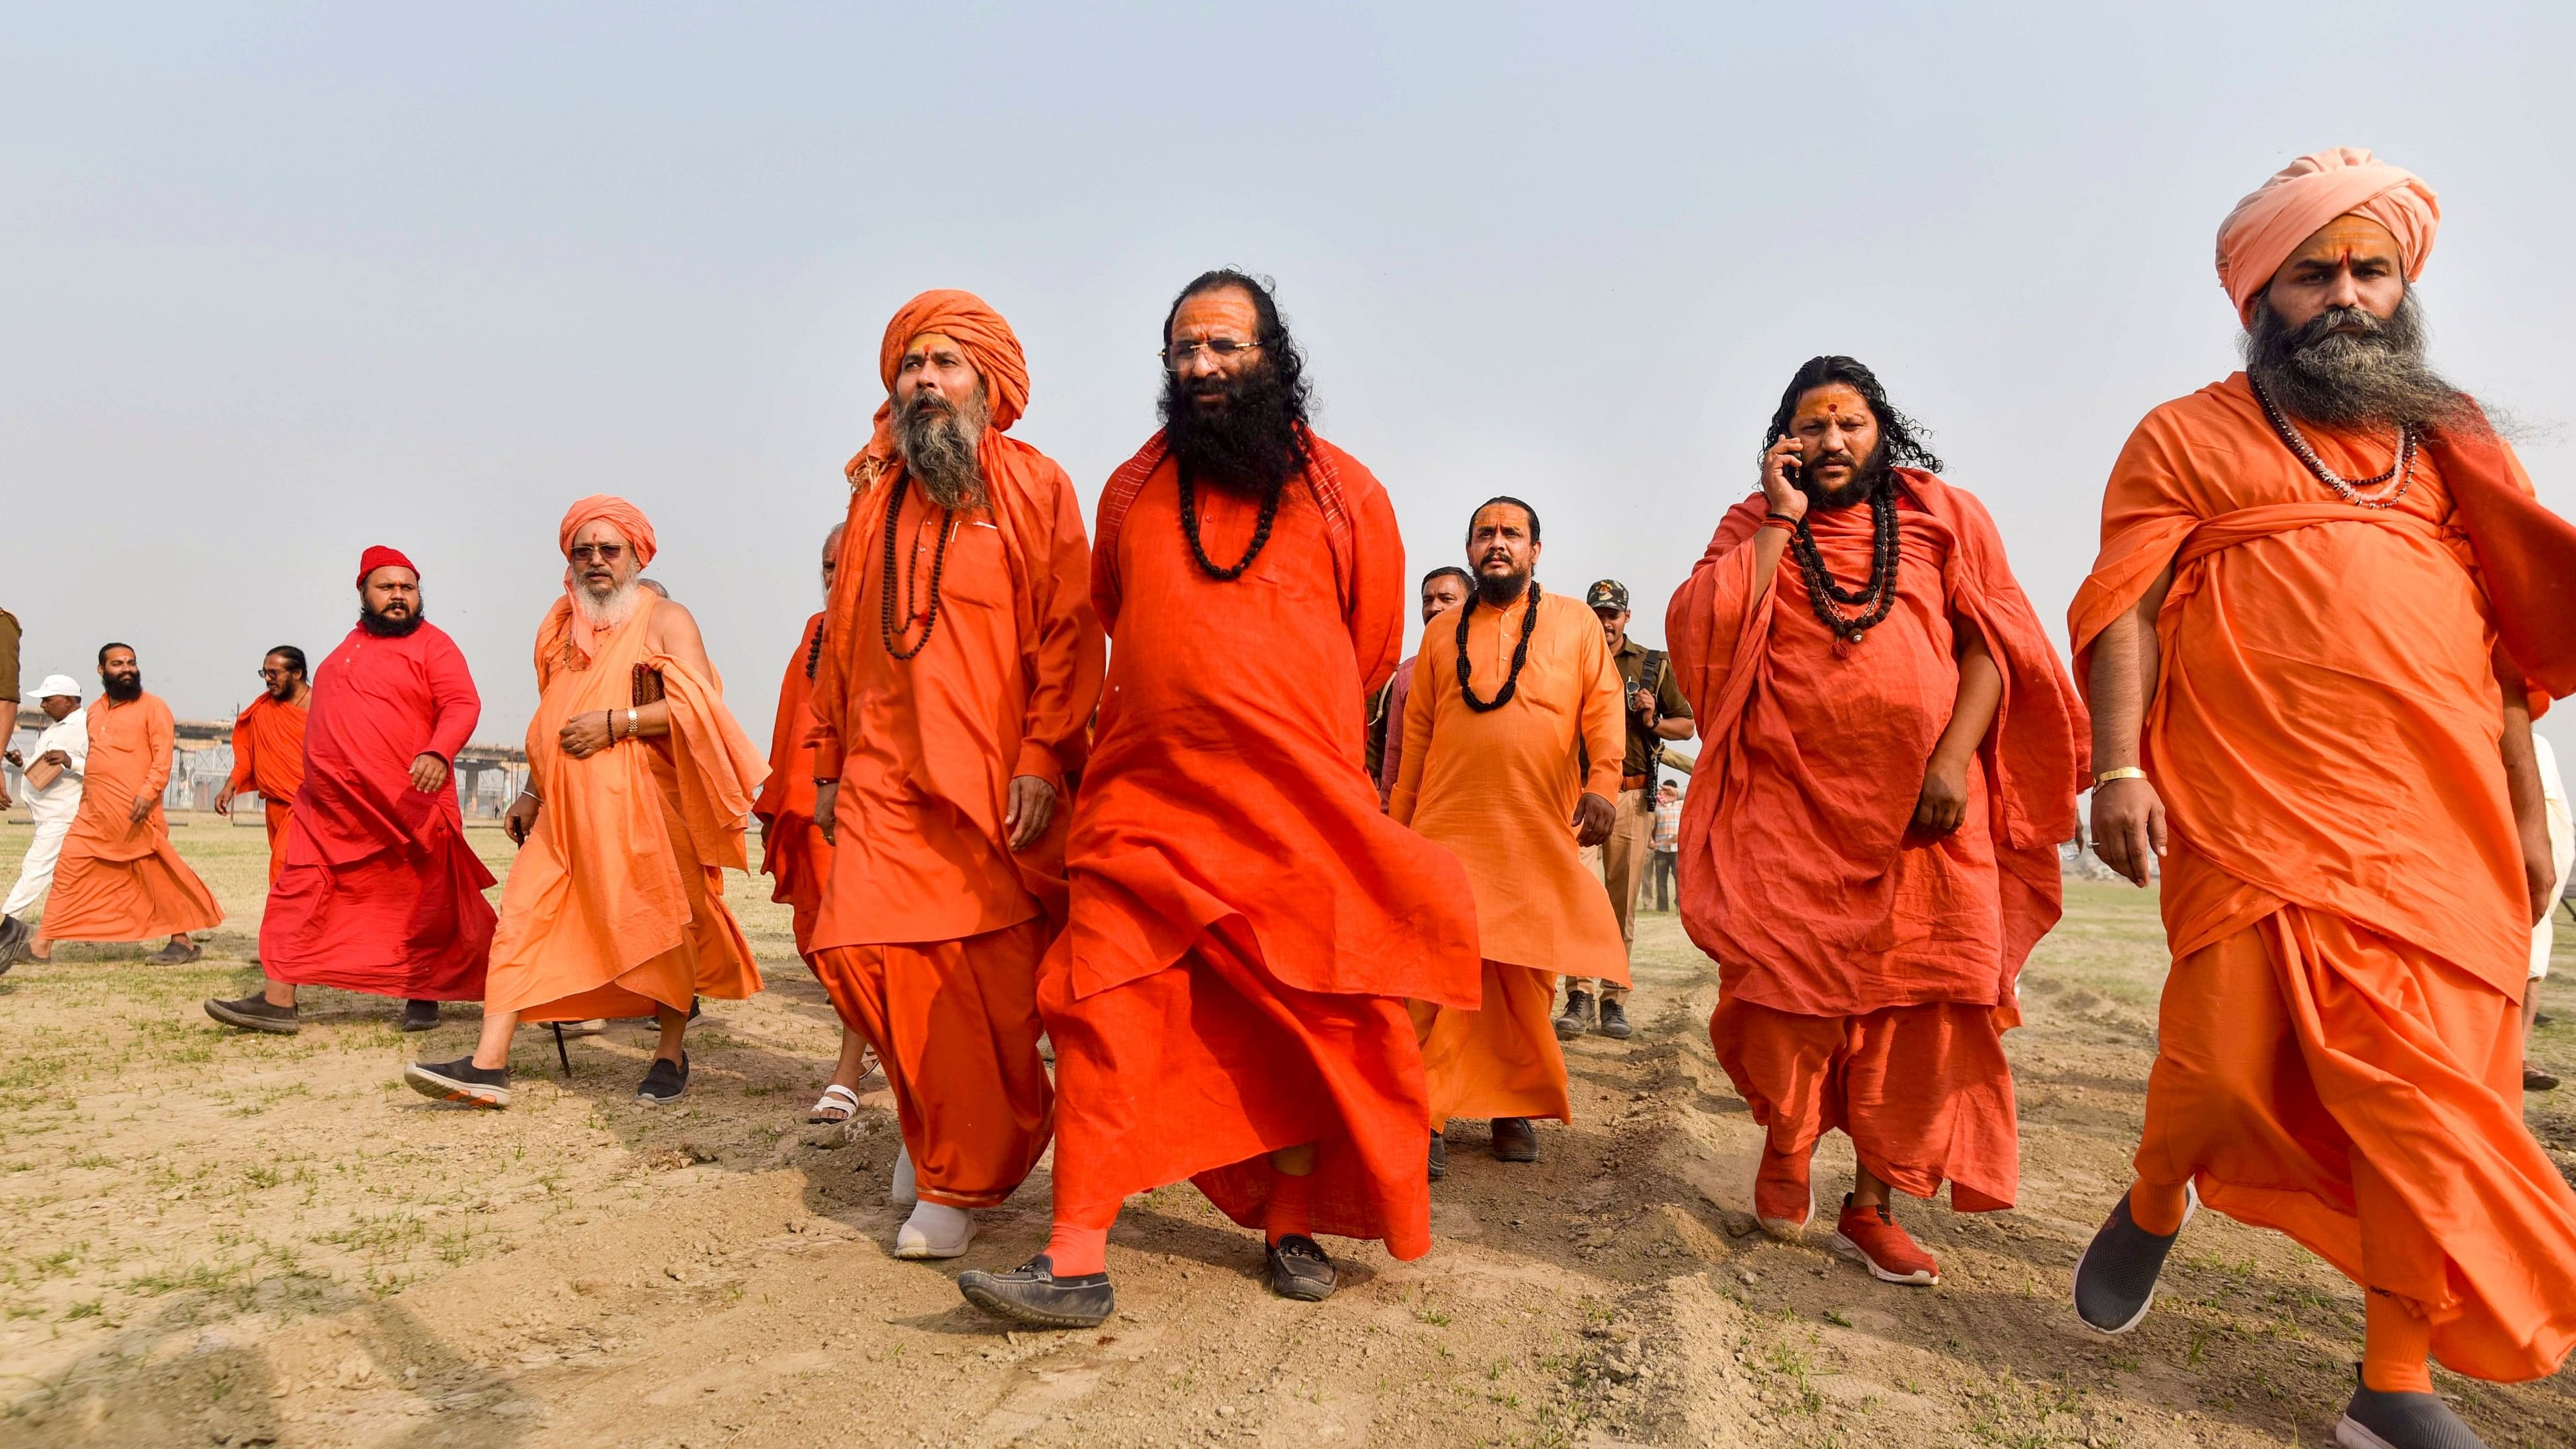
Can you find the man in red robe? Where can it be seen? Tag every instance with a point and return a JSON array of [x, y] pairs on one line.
[[1228, 1001], [380, 892], [1869, 848], [794, 852], [268, 747]]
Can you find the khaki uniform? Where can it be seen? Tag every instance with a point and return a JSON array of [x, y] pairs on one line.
[[1622, 859]]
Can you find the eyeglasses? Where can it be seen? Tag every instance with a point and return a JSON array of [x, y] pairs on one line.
[[1223, 349], [604, 552]]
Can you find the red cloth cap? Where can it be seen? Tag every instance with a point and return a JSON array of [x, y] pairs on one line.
[[382, 557]]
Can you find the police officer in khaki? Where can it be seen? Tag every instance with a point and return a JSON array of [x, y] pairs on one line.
[[1656, 713]]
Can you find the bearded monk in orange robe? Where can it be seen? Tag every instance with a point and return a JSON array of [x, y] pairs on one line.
[[794, 853], [1492, 769], [2325, 608], [268, 747], [1228, 1001], [1869, 846], [951, 703], [640, 783], [120, 878]]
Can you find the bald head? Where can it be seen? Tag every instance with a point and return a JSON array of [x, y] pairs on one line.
[[832, 555]]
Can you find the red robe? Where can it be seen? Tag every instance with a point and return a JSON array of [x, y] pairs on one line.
[[1245, 924], [268, 756], [379, 891], [793, 853]]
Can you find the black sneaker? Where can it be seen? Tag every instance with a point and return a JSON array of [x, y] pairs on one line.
[[1032, 1293], [1439, 1157], [2374, 1420], [1299, 1269], [253, 1013], [1614, 1019], [2115, 1280], [1576, 1019], [419, 1015], [664, 1081], [1515, 1140], [460, 1081]]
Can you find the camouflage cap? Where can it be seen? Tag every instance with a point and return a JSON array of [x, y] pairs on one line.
[[1607, 594]]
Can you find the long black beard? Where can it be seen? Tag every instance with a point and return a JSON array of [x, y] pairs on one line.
[[1866, 482], [2375, 377], [124, 691], [1251, 445], [1502, 591], [384, 628], [939, 443]]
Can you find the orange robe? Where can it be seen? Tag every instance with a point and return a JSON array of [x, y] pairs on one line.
[[120, 881], [793, 853], [616, 903], [268, 756], [1867, 971], [2339, 1050], [1497, 789], [930, 932], [1246, 925]]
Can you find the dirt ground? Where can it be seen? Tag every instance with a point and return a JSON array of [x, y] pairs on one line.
[[220, 1239]]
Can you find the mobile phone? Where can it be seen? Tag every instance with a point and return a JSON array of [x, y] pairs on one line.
[[1795, 472]]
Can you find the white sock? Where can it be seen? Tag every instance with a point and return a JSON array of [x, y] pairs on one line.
[[934, 1230]]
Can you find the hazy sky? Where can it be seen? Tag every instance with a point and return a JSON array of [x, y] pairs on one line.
[[285, 282]]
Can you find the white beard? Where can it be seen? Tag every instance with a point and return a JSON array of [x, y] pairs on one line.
[[608, 613]]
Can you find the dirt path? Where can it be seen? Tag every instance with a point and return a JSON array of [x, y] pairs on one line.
[[224, 1240]]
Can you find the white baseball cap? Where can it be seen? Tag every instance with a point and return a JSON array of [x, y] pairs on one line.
[[56, 684]]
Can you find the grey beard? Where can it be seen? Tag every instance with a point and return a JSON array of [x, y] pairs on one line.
[[939, 445], [2376, 377], [609, 612]]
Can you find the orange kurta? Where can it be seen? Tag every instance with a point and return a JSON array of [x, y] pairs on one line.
[[616, 902], [931, 928], [2338, 1051], [793, 853], [119, 880], [268, 757], [1246, 925], [1497, 789], [1852, 948]]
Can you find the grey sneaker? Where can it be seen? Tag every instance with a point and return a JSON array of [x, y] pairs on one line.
[[2115, 1280], [253, 1013], [1576, 1019], [1032, 1293], [419, 1015], [460, 1081], [175, 954], [2374, 1420], [1614, 1019]]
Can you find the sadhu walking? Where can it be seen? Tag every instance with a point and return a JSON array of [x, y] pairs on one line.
[[2325, 604], [268, 747]]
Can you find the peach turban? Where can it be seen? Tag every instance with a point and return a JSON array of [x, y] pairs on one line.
[[990, 346], [2268, 225], [619, 514]]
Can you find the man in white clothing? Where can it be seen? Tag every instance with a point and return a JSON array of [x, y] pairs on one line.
[[2562, 851], [62, 752]]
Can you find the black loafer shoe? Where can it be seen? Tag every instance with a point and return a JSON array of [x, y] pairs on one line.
[[2115, 1280], [1439, 1157], [664, 1081], [1515, 1140], [2374, 1420], [419, 1015], [1299, 1269], [1032, 1293], [253, 1013], [460, 1081], [1614, 1020]]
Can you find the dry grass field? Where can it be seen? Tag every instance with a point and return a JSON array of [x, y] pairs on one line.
[[213, 1239]]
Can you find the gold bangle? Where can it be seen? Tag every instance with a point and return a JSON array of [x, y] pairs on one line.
[[2125, 772]]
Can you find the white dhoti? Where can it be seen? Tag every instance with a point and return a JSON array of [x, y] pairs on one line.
[[37, 872]]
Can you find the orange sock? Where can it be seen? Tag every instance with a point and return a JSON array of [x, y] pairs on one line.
[[2395, 1346], [2157, 1207], [1292, 1206], [1076, 1251]]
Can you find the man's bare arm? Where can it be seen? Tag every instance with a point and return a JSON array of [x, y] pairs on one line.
[[2523, 787], [2128, 815]]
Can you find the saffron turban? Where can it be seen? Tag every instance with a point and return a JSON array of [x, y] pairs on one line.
[[991, 347], [381, 557], [2268, 225], [616, 512]]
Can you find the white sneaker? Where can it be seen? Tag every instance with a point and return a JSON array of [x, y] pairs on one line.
[[934, 1231], [901, 1192]]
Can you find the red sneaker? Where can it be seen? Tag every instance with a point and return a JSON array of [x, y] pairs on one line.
[[1871, 1238], [1783, 1201]]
